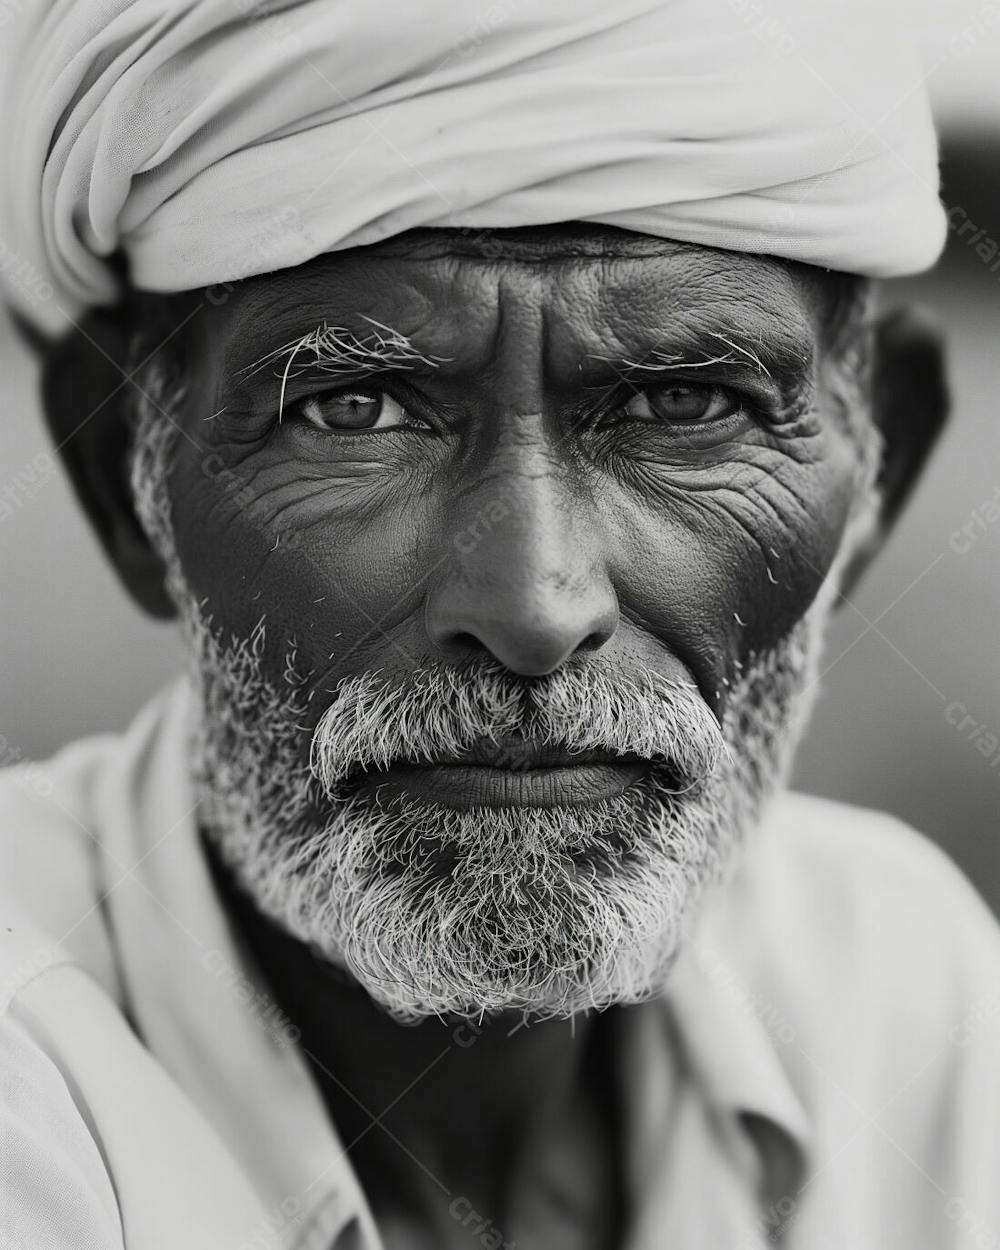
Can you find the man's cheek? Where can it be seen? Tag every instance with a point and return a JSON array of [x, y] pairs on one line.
[[327, 586], [776, 562], [724, 574]]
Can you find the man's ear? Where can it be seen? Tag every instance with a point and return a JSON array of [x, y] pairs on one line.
[[909, 404], [86, 395]]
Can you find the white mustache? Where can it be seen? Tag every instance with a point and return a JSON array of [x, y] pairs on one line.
[[442, 711]]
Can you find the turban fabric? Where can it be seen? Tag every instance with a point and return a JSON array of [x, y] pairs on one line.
[[208, 140]]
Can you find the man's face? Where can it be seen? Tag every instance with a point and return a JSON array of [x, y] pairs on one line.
[[434, 513]]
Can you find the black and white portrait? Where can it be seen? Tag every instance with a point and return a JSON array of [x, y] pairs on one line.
[[500, 732]]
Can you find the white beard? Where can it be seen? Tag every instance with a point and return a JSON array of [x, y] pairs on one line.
[[549, 911]]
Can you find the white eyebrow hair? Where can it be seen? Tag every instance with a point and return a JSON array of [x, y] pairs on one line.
[[737, 354], [659, 360], [338, 350]]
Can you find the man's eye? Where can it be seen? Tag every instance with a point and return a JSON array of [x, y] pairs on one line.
[[358, 409], [682, 404]]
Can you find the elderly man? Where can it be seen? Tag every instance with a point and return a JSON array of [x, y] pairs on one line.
[[496, 398]]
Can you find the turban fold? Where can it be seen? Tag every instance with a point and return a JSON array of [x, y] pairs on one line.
[[208, 140]]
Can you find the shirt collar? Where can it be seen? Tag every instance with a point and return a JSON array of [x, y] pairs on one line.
[[201, 1007], [733, 1039]]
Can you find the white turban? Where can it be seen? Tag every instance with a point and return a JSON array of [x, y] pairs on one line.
[[208, 140]]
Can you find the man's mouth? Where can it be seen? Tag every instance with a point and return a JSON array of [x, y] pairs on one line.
[[467, 786], [519, 754], [510, 772]]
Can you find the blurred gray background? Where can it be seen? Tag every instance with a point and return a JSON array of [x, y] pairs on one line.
[[909, 717]]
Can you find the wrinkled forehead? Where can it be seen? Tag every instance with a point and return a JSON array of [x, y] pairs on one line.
[[587, 291]]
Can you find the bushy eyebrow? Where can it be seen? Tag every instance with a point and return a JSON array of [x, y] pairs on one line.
[[338, 351]]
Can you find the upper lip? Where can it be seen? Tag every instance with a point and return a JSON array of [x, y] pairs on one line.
[[521, 753]]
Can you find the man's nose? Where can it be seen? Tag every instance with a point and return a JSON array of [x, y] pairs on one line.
[[525, 573]]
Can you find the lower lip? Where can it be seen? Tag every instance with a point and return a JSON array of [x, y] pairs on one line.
[[471, 786]]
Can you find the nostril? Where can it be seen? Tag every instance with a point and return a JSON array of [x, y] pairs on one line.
[[463, 645], [595, 641]]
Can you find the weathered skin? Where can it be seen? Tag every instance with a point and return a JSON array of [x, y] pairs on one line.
[[498, 519], [520, 513]]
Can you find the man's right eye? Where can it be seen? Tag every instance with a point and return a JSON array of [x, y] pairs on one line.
[[358, 408]]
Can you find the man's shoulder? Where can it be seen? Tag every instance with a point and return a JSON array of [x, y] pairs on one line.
[[50, 865], [874, 966], [855, 923], [55, 1179], [50, 799], [56, 864], [863, 866]]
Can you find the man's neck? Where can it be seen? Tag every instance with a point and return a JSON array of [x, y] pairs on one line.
[[443, 1117]]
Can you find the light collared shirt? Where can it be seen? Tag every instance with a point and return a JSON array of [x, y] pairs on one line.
[[820, 1071]]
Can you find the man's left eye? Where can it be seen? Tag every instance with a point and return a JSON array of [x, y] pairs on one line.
[[682, 403], [357, 409]]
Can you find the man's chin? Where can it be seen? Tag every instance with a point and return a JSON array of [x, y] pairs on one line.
[[544, 912], [465, 983]]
